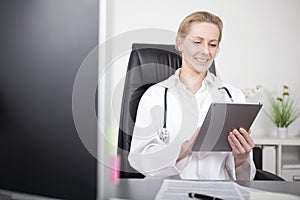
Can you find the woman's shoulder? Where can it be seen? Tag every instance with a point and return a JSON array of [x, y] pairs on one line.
[[152, 94], [161, 86], [155, 89]]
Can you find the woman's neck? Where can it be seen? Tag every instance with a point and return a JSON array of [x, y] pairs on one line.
[[191, 78]]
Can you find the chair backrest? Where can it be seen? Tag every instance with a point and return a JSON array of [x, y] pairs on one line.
[[148, 65]]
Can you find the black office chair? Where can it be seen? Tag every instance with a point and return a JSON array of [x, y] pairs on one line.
[[148, 64], [262, 175]]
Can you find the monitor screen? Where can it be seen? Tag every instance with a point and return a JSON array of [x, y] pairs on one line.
[[43, 44]]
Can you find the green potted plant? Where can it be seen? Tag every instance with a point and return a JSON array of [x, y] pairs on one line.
[[283, 111]]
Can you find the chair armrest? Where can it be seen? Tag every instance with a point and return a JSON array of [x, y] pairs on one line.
[[265, 175]]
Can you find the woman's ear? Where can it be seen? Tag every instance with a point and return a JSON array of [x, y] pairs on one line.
[[179, 43]]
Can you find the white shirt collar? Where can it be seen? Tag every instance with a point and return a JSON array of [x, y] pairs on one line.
[[208, 81]]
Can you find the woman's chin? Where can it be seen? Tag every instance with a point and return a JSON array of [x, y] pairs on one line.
[[201, 68]]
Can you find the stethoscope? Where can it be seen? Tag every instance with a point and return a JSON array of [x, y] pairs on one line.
[[227, 91], [163, 132]]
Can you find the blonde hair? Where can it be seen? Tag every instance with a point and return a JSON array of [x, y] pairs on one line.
[[199, 16]]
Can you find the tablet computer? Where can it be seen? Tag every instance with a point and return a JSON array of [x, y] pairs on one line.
[[222, 118]]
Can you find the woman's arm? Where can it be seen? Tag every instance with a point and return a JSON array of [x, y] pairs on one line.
[[148, 154]]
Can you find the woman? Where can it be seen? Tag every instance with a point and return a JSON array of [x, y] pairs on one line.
[[189, 93]]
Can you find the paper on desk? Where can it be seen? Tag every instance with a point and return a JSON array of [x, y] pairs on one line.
[[179, 189]]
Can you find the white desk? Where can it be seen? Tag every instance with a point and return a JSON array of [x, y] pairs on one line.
[[287, 155], [147, 188]]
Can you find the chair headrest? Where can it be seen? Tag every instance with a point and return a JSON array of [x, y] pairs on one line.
[[148, 64]]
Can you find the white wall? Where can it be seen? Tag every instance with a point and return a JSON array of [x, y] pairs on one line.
[[261, 40]]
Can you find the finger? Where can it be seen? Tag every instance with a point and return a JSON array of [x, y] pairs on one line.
[[249, 131], [232, 144], [189, 150], [235, 151], [240, 137], [184, 150], [239, 141], [194, 137], [244, 139], [244, 131], [188, 146], [184, 154], [247, 137], [244, 144]]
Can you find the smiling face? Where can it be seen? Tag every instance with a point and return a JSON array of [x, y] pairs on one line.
[[199, 47]]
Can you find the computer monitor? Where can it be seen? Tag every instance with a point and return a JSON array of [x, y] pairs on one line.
[[42, 46]]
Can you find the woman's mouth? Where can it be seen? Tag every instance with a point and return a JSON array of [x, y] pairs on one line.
[[202, 60]]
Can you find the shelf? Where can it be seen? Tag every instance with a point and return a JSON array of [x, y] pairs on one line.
[[291, 165], [286, 161], [292, 141]]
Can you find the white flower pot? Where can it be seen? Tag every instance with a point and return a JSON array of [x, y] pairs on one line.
[[282, 132]]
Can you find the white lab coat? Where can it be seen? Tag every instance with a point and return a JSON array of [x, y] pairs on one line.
[[185, 112]]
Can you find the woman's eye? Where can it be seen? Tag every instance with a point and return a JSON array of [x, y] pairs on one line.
[[197, 42], [213, 45]]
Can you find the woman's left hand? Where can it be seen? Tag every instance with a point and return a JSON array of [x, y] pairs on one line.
[[241, 144]]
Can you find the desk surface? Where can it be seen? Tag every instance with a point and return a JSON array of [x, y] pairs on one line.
[[147, 188]]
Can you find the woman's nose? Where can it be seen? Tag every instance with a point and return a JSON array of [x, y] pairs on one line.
[[204, 49]]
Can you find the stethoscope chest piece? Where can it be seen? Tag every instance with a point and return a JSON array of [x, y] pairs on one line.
[[163, 132], [163, 135]]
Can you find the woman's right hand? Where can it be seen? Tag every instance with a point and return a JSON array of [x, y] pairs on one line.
[[186, 147]]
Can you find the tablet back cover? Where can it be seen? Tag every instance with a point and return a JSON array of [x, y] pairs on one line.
[[222, 118]]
